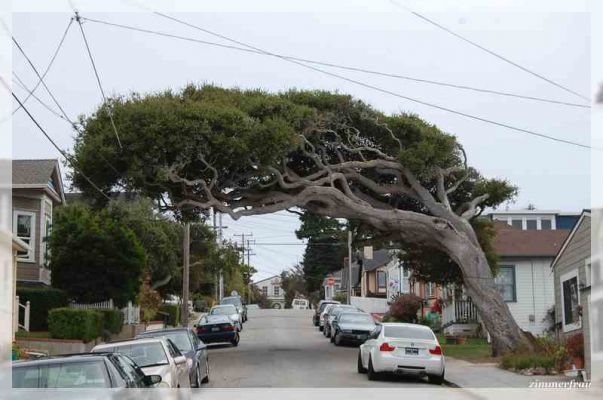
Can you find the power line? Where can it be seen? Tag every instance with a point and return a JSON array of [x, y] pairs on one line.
[[63, 153], [344, 67], [366, 85], [98, 80], [30, 93], [54, 56], [505, 59]]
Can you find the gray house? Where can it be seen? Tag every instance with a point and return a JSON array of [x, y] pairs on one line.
[[37, 190], [572, 274]]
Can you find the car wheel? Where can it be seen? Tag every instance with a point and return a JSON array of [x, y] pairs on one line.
[[198, 378], [332, 337], [235, 341], [320, 328], [206, 377], [361, 369], [337, 339], [436, 379], [372, 375]]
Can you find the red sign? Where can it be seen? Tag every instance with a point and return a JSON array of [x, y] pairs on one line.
[[330, 281]]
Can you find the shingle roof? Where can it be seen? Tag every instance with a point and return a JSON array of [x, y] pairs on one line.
[[380, 258], [514, 242], [32, 172]]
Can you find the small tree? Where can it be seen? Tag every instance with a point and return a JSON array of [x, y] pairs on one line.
[[405, 308], [149, 301]]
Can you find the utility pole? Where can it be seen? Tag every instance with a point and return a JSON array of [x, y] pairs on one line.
[[185, 273], [349, 267], [243, 250], [219, 238], [249, 254]]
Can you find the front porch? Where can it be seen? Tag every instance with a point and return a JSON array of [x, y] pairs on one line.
[[460, 318]]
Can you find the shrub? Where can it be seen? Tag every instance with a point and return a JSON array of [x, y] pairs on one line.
[[173, 311], [341, 297], [113, 320], [575, 345], [41, 300], [525, 361], [71, 323], [405, 308]]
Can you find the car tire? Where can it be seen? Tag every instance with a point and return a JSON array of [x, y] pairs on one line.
[[372, 375], [197, 382], [206, 377], [333, 338], [235, 341], [337, 339], [361, 369], [436, 379], [320, 328]]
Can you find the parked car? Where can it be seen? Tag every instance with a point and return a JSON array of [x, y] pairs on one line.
[[332, 314], [321, 320], [238, 303], [155, 356], [300, 304], [403, 349], [191, 347], [319, 309], [216, 329], [231, 311], [81, 371], [354, 327]]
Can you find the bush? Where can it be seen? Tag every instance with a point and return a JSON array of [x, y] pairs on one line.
[[41, 300], [173, 311], [525, 361], [113, 320], [71, 323], [405, 308], [575, 345]]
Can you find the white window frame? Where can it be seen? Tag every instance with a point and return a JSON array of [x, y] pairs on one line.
[[31, 254], [565, 277], [276, 290], [588, 270], [265, 291]]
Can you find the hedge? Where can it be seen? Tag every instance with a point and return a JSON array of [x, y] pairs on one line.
[[72, 323], [113, 320], [41, 300], [173, 312]]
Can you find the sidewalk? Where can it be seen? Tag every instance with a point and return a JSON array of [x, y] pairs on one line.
[[469, 375]]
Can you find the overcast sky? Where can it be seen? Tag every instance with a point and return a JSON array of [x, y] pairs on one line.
[[549, 175]]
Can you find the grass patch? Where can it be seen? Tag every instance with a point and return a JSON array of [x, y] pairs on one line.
[[474, 349], [32, 335]]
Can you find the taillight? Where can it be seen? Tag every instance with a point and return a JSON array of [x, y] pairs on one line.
[[436, 351], [229, 328], [386, 347], [201, 329]]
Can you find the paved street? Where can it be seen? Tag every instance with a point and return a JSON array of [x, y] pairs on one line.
[[281, 348]]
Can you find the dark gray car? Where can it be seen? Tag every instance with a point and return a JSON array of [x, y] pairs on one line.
[[352, 327], [191, 347]]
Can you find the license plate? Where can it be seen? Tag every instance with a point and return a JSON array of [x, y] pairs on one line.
[[361, 337], [215, 329], [411, 351]]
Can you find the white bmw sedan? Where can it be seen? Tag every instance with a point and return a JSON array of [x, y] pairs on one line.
[[402, 349]]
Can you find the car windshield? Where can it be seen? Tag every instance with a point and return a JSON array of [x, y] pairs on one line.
[[224, 310], [408, 332], [356, 318], [323, 306], [180, 339], [87, 374], [143, 354], [231, 300]]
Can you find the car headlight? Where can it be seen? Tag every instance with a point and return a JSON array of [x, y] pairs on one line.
[[163, 385]]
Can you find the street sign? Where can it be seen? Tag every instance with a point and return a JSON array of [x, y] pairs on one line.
[[368, 252], [330, 281]]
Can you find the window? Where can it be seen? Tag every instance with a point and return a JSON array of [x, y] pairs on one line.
[[517, 223], [546, 224], [531, 224], [46, 238], [24, 226], [505, 281], [381, 280], [277, 291], [570, 298], [265, 290], [430, 290]]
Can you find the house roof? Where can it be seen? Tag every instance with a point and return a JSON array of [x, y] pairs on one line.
[[568, 239], [514, 242], [380, 258], [267, 279], [38, 174]]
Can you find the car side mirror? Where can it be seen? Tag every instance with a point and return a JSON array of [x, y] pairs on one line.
[[180, 360], [201, 346], [150, 380]]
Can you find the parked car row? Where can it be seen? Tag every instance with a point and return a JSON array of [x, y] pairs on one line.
[[397, 348]]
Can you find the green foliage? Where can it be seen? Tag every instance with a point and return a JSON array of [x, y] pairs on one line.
[[41, 300], [341, 297], [95, 257], [293, 284], [149, 301], [521, 361], [71, 323], [113, 320], [173, 314], [405, 308]]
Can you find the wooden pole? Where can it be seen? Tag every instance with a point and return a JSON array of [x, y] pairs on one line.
[[185, 274]]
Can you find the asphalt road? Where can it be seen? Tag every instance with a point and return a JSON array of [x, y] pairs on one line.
[[281, 348]]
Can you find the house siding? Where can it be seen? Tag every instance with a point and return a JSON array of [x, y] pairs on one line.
[[574, 257], [534, 288]]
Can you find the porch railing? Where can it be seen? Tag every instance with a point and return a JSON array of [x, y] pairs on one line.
[[26, 313], [459, 312], [131, 311], [104, 305]]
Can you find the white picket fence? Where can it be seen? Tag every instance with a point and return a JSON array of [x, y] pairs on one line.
[[131, 312]]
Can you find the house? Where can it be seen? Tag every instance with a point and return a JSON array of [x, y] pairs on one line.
[[572, 279], [524, 276], [533, 219], [271, 288], [37, 189]]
